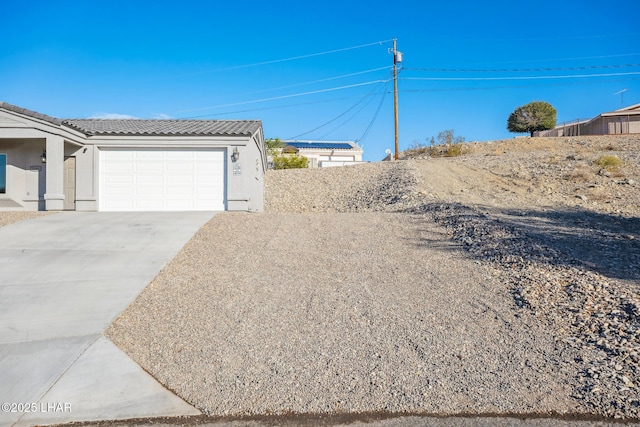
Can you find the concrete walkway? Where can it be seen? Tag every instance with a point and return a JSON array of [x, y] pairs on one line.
[[64, 278]]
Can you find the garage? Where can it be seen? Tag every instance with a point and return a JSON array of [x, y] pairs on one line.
[[129, 164], [162, 179]]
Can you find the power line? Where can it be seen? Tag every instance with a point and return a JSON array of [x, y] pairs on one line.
[[574, 76], [578, 58], [337, 117], [292, 58], [514, 70], [324, 80], [534, 39], [513, 86], [290, 86], [383, 93], [375, 116], [268, 108], [313, 92]]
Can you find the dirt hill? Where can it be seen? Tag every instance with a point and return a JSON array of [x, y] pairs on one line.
[[559, 219]]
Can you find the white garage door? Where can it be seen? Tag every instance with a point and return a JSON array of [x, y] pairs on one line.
[[161, 179]]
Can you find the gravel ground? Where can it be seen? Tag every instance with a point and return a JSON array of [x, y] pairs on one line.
[[9, 217], [479, 284], [316, 313]]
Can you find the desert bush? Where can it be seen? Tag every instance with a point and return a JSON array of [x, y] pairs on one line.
[[454, 150], [580, 174], [610, 163], [447, 145], [416, 149], [290, 161]]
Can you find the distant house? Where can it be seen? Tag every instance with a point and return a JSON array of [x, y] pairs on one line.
[[322, 154], [55, 164], [623, 121]]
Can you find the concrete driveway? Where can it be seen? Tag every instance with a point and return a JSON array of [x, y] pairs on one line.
[[64, 278]]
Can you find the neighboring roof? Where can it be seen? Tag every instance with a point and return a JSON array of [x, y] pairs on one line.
[[632, 109], [138, 127], [30, 113], [323, 145], [290, 149]]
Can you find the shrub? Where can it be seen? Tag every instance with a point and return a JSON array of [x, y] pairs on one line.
[[447, 145], [454, 150], [290, 161], [580, 174], [609, 163]]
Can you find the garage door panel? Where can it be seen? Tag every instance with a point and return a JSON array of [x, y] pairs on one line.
[[151, 180], [149, 154], [183, 155], [118, 167], [180, 168], [156, 180], [181, 181], [121, 155], [149, 167]]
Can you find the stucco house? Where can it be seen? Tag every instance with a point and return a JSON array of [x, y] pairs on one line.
[[623, 121], [55, 164], [322, 154]]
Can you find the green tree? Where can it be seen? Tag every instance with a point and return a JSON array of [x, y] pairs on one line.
[[274, 146], [532, 117]]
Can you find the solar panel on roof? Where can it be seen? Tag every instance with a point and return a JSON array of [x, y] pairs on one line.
[[321, 145]]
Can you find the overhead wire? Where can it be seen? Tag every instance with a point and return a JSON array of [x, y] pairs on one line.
[[311, 55], [518, 70], [512, 86], [287, 87], [274, 98], [325, 79], [375, 116], [339, 116], [370, 100], [226, 113], [578, 58], [520, 77], [292, 58]]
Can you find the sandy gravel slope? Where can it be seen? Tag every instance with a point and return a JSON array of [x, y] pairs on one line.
[[339, 312], [502, 281]]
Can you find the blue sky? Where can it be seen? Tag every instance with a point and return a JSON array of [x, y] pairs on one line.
[[321, 70]]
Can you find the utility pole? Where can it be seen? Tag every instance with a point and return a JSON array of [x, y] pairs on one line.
[[395, 92]]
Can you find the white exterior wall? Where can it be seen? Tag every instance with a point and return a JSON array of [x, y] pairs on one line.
[[24, 138], [318, 157]]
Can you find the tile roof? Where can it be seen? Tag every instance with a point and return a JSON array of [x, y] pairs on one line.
[[139, 127], [136, 127], [30, 113]]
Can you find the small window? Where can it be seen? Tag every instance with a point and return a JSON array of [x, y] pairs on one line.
[[3, 173]]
